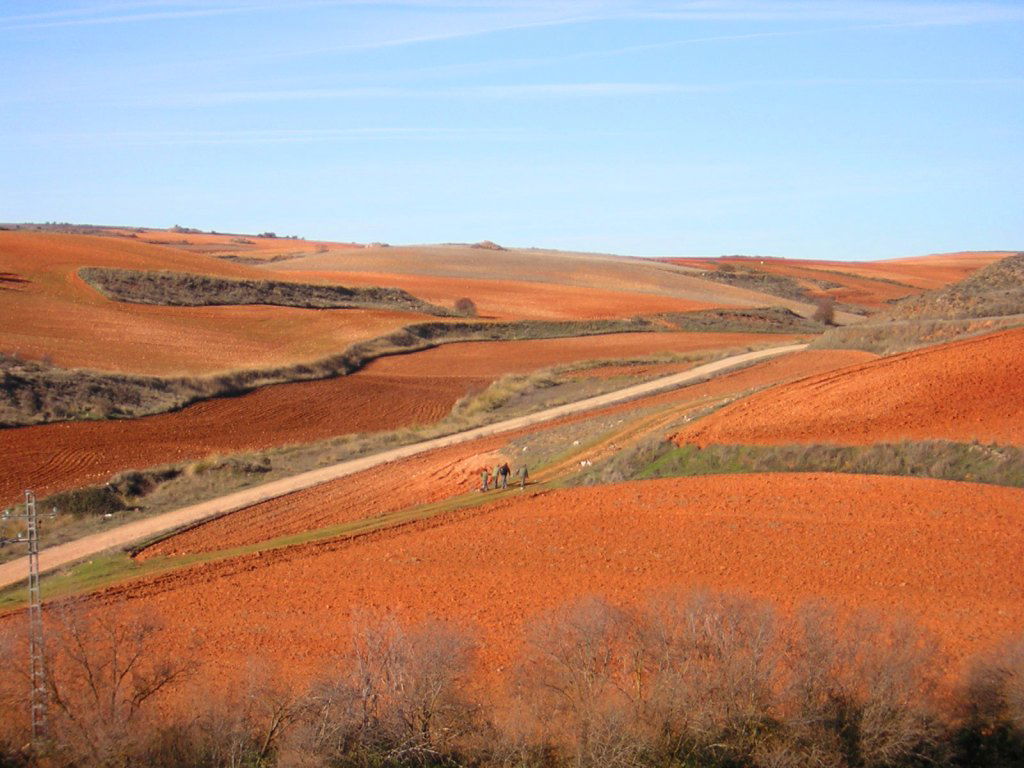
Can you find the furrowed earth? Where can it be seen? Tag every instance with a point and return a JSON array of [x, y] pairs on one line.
[[936, 551], [284, 580], [965, 390], [392, 392]]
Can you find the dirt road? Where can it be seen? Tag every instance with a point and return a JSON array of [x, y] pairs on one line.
[[64, 554]]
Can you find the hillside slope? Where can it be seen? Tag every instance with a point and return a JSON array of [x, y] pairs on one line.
[[965, 390]]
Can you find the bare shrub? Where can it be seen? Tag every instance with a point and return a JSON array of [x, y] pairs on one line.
[[14, 694], [575, 679], [104, 674], [825, 310], [713, 661], [862, 690], [992, 732], [465, 307], [399, 695]]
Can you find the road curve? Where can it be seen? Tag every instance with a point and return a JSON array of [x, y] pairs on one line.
[[63, 554]]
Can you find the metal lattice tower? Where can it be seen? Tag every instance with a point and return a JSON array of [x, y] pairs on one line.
[[37, 650]]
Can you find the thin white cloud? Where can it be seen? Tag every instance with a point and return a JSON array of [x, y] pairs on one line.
[[512, 91], [553, 90], [269, 136], [298, 136], [509, 15]]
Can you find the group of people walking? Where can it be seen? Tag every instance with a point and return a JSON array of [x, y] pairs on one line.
[[500, 475]]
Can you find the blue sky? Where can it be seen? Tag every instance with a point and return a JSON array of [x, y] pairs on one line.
[[817, 129]]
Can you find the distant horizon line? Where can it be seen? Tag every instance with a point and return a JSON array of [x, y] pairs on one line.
[[178, 229]]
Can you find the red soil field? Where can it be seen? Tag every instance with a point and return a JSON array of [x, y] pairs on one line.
[[938, 552], [935, 270], [55, 314], [867, 284], [965, 390], [57, 457], [530, 282], [489, 359], [255, 246], [513, 299], [442, 474], [390, 393]]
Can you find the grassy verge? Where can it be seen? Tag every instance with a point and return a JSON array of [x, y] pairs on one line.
[[181, 289], [940, 459], [894, 337]]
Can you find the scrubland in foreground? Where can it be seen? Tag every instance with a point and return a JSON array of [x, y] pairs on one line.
[[696, 679]]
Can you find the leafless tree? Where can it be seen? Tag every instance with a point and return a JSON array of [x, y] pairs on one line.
[[577, 676], [103, 673], [825, 310], [864, 688], [399, 693], [993, 704], [713, 664], [466, 307]]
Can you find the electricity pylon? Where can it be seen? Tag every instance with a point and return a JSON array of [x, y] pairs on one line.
[[36, 648]]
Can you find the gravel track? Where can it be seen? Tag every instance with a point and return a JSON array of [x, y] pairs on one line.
[[64, 554]]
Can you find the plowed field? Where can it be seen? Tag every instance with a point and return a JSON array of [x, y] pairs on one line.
[[514, 299], [530, 282], [962, 391], [449, 472], [57, 457], [46, 310], [390, 393], [940, 552], [489, 359], [869, 284]]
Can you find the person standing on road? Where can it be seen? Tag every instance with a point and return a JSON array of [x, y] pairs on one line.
[[484, 478], [505, 472], [523, 474], [497, 475]]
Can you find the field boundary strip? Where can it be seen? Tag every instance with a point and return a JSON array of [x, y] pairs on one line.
[[64, 554]]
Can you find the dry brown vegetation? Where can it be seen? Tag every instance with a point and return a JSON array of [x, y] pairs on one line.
[[39, 392], [756, 279], [33, 392], [991, 298], [995, 290], [181, 289], [688, 679]]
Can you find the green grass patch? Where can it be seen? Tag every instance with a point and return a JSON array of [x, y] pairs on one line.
[[940, 459]]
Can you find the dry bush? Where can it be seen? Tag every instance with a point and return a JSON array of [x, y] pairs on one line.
[[862, 691], [992, 732], [398, 697], [713, 661], [693, 680], [14, 694], [104, 675], [575, 679], [465, 307], [825, 310]]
